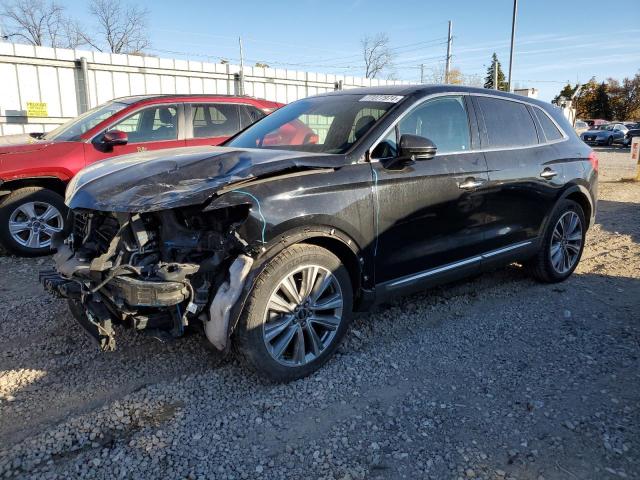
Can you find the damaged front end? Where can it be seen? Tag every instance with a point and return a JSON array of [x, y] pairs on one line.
[[156, 272]]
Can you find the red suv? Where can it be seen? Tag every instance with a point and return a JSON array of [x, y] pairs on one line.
[[35, 169]]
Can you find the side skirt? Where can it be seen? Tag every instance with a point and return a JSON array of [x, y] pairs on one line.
[[455, 270]]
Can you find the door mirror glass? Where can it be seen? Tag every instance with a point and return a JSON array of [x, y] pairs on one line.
[[115, 137], [416, 147]]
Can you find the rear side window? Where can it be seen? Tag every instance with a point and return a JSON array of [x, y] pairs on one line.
[[549, 128], [508, 123], [215, 120]]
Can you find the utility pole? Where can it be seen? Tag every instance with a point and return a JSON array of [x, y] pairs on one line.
[[448, 65], [422, 73], [495, 74], [513, 38], [241, 68]]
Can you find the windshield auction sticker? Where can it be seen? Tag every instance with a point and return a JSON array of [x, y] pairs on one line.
[[382, 98]]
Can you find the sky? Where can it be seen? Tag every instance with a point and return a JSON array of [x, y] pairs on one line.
[[556, 41]]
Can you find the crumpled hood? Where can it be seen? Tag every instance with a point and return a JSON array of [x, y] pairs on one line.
[[21, 143], [164, 179]]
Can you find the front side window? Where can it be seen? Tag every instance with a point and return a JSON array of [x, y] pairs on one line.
[[442, 120], [151, 124], [508, 123], [215, 120], [330, 124]]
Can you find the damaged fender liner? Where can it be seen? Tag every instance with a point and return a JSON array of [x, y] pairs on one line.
[[217, 326]]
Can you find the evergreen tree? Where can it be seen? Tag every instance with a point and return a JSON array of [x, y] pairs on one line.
[[567, 92], [601, 107], [488, 81]]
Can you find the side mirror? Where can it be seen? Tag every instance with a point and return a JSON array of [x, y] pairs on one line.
[[115, 137], [416, 147]]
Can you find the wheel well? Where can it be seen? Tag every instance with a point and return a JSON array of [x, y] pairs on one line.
[[50, 183], [344, 253], [582, 200]]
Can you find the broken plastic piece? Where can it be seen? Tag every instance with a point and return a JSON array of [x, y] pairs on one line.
[[217, 326]]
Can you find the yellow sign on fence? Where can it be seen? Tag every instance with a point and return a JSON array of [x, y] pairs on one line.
[[37, 109]]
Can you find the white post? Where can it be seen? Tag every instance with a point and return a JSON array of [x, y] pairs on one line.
[[241, 67], [448, 65]]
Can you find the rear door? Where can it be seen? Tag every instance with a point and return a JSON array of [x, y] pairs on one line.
[[211, 123], [525, 170], [149, 128], [430, 212]]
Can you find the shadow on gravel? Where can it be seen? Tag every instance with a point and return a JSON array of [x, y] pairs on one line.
[[619, 218]]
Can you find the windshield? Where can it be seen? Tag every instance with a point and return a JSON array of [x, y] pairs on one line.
[[73, 129], [330, 124], [604, 127]]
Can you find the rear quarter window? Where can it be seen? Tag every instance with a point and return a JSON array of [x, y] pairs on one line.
[[508, 123], [549, 128]]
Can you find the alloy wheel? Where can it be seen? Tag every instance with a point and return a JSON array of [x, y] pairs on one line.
[[303, 315], [33, 224], [566, 242]]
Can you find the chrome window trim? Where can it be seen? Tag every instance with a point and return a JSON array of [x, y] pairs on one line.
[[454, 265], [420, 101], [177, 104], [560, 129]]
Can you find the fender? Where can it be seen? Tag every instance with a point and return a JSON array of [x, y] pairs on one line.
[[579, 188], [291, 237], [54, 183], [572, 189]]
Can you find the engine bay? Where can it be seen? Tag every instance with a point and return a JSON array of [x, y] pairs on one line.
[[156, 272]]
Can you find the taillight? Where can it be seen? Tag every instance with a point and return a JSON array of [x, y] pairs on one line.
[[593, 160]]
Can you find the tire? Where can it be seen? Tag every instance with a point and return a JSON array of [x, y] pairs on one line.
[[259, 340], [19, 209], [609, 141], [544, 265]]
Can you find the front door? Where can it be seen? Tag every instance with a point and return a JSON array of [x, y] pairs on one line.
[[151, 128], [430, 212]]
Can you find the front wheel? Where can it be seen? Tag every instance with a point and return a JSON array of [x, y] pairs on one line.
[[609, 141], [562, 244], [29, 217], [298, 311]]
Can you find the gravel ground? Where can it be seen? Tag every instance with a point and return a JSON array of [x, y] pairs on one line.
[[497, 377]]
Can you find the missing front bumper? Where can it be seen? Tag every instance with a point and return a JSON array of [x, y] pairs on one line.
[[96, 312]]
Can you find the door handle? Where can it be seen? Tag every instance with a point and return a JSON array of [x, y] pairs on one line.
[[548, 174], [470, 184]]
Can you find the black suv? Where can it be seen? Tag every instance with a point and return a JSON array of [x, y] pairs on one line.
[[324, 207]]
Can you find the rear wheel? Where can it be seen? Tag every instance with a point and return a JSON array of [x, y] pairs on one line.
[[563, 244], [610, 141], [297, 313], [29, 217]]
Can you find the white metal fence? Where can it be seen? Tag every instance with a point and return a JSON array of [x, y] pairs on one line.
[[42, 87]]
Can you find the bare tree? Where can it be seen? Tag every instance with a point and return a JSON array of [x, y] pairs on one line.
[[377, 55], [120, 28], [36, 22]]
